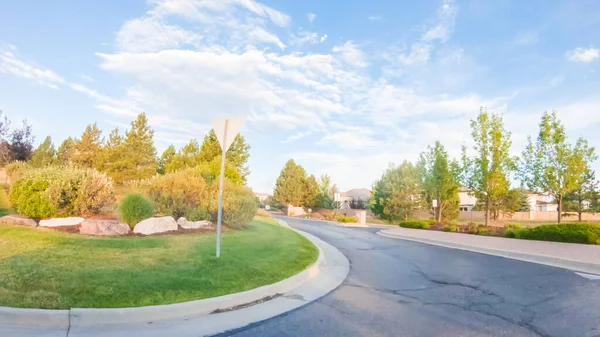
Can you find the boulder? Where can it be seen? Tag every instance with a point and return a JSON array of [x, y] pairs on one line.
[[103, 227], [156, 225], [186, 224], [61, 222], [14, 219]]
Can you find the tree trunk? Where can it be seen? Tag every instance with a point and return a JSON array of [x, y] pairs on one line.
[[559, 199], [487, 210]]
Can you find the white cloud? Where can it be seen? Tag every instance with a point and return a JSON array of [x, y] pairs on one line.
[[311, 17], [307, 37], [375, 18], [12, 64], [151, 34], [351, 54], [584, 55], [444, 23]]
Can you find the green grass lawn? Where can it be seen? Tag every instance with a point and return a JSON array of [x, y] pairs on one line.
[[56, 270]]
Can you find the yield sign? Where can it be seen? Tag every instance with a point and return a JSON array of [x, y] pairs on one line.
[[226, 130]]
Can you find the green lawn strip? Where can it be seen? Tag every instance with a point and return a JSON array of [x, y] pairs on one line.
[[54, 270]]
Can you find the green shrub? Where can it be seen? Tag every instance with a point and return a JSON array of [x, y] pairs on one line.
[[135, 208], [451, 228], [418, 224], [346, 219], [239, 205], [61, 191], [15, 169], [473, 228], [483, 231], [571, 232], [179, 194], [510, 233]]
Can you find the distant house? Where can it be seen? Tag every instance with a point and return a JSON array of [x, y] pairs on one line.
[[538, 202], [357, 195], [467, 201], [262, 197]]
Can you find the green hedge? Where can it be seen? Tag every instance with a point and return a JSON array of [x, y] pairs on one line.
[[573, 233], [346, 219], [418, 224]]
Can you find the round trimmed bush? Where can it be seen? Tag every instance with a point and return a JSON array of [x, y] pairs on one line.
[[135, 208]]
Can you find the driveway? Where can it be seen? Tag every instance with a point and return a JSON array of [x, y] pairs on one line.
[[403, 288]]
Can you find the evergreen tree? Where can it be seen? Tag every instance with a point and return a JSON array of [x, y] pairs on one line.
[[439, 179], [165, 159], [237, 154], [524, 205], [44, 155], [65, 151], [21, 143], [188, 156], [139, 154], [112, 157], [5, 155], [290, 187], [86, 149], [311, 191]]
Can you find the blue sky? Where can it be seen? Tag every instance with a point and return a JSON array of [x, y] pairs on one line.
[[344, 87]]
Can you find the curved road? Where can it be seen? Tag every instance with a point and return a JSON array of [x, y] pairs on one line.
[[403, 288]]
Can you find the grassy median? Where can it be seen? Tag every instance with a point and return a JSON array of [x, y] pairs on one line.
[[55, 270]]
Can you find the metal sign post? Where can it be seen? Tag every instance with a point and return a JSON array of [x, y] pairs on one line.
[[226, 130], [435, 205]]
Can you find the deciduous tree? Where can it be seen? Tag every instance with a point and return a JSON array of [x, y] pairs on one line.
[[439, 179], [552, 165], [397, 194], [486, 174], [21, 143]]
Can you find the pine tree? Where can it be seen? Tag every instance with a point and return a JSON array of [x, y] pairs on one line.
[[188, 156], [165, 159], [311, 191], [111, 159], [290, 187], [237, 154], [87, 148], [524, 205], [44, 155], [65, 151], [139, 154]]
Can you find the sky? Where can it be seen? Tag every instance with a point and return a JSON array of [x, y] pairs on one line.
[[344, 87]]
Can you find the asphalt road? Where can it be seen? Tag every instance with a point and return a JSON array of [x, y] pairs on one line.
[[403, 288]]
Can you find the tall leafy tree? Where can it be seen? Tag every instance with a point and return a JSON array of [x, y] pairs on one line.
[[486, 174], [439, 179], [21, 143], [397, 194], [237, 154], [139, 152], [165, 159], [326, 191], [44, 155], [290, 187], [552, 165], [65, 151], [87, 148]]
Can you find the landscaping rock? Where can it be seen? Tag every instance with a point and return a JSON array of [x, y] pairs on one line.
[[186, 224], [103, 227], [61, 222], [156, 225], [14, 219]]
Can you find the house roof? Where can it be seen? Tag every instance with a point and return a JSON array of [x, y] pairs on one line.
[[357, 193], [540, 202]]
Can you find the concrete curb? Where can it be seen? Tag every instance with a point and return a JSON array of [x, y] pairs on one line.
[[77, 317], [591, 268]]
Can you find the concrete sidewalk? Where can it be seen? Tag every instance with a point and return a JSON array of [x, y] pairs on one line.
[[579, 257]]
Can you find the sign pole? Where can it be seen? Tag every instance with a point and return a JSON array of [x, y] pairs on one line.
[[220, 209]]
